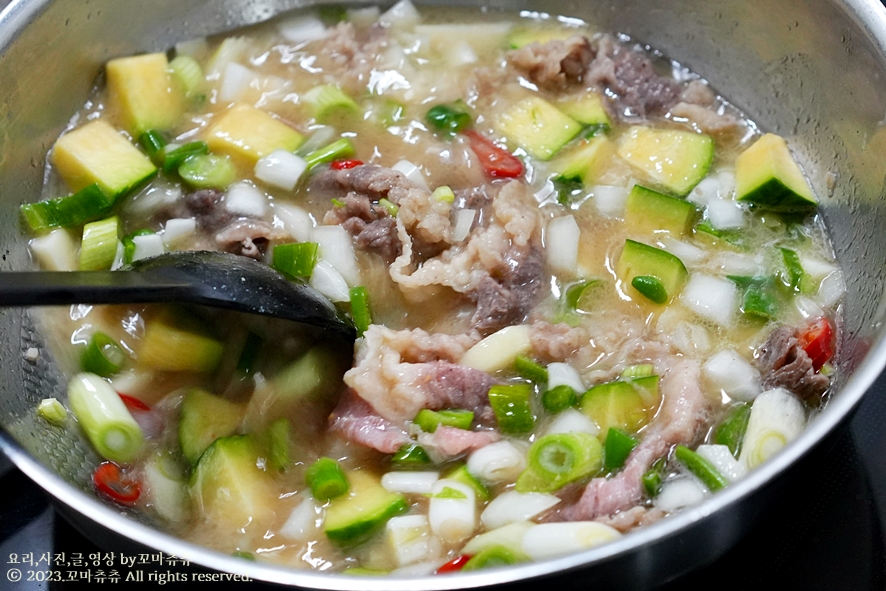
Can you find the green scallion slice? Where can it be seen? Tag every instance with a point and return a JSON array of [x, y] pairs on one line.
[[188, 72], [340, 148], [429, 420], [528, 369], [296, 259], [50, 409], [208, 171], [174, 158], [103, 356], [411, 455], [512, 408], [85, 205], [326, 100], [99, 245], [731, 431], [559, 398], [153, 142], [703, 469], [360, 310], [107, 422], [556, 460], [326, 479], [618, 447]]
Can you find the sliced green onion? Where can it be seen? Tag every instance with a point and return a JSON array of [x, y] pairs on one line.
[[326, 100], [153, 142], [243, 555], [559, 398], [85, 205], [392, 113], [99, 244], [510, 403], [447, 493], [249, 354], [760, 298], [731, 431], [326, 479], [556, 460], [107, 422], [278, 436], [174, 158], [296, 259], [462, 475], [338, 202], [360, 311], [703, 469], [593, 129], [208, 171], [129, 244], [618, 447], [651, 288], [411, 455], [188, 72], [793, 275], [443, 194], [429, 420], [448, 119], [389, 206], [652, 478], [103, 356], [642, 370], [567, 189], [580, 296], [52, 410], [340, 148], [494, 557], [530, 370]]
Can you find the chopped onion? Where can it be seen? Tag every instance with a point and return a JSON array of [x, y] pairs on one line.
[[304, 521], [337, 249], [555, 539], [413, 173], [401, 15], [157, 195], [460, 53], [410, 539], [690, 339], [563, 374], [464, 219], [572, 421], [610, 200], [323, 135], [499, 349], [808, 308], [410, 482], [195, 48], [235, 80], [244, 198], [168, 496], [707, 189], [688, 253], [329, 282], [302, 28], [816, 268], [711, 298], [723, 461], [118, 256], [732, 373], [295, 220], [280, 168], [363, 17], [727, 183], [831, 290], [497, 462], [732, 263], [178, 228], [512, 507], [453, 519], [510, 536], [777, 418], [679, 493], [55, 251], [725, 214], [149, 245], [561, 244]]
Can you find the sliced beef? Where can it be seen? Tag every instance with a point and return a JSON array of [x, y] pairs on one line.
[[681, 420], [508, 296], [355, 420], [706, 119], [784, 364], [554, 64], [370, 180], [450, 441], [631, 77], [349, 54], [373, 228], [207, 206], [248, 238], [556, 342]]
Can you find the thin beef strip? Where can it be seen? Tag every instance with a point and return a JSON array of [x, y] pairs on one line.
[[784, 364], [372, 227], [508, 297], [554, 64], [248, 238]]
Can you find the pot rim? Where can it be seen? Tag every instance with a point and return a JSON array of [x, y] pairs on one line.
[[870, 17]]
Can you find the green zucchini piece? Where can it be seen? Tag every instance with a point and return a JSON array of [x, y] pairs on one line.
[[203, 418], [648, 211], [142, 91], [618, 447], [411, 456], [462, 475], [356, 517], [586, 161], [228, 487], [638, 259], [767, 175], [528, 369], [494, 557], [587, 108], [623, 404], [537, 126], [671, 159]]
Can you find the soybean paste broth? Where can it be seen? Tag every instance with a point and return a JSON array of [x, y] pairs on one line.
[[571, 294]]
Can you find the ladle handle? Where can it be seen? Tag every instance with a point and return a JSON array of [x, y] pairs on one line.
[[52, 288]]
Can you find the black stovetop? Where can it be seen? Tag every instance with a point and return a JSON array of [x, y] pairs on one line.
[[825, 533]]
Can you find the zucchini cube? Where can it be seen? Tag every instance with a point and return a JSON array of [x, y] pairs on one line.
[[142, 91], [247, 133], [648, 211], [767, 175], [537, 126], [671, 159], [638, 259]]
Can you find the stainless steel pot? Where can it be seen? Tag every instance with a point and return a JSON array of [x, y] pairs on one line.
[[812, 70]]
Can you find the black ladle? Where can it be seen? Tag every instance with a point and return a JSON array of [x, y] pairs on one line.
[[207, 278]]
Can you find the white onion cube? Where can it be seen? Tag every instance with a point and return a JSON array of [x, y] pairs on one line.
[[295, 220], [513, 507], [497, 462], [337, 249], [329, 282], [304, 521], [235, 80], [572, 421], [302, 28], [178, 228], [401, 15], [410, 482], [561, 244], [246, 199], [555, 539], [464, 219], [712, 298], [678, 494], [410, 539], [688, 253], [610, 201], [510, 536], [280, 168], [732, 373], [149, 245], [412, 172], [725, 214], [55, 251]]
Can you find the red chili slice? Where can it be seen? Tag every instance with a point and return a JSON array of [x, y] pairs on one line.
[[345, 164], [111, 481], [496, 161], [817, 341], [133, 403], [454, 565]]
